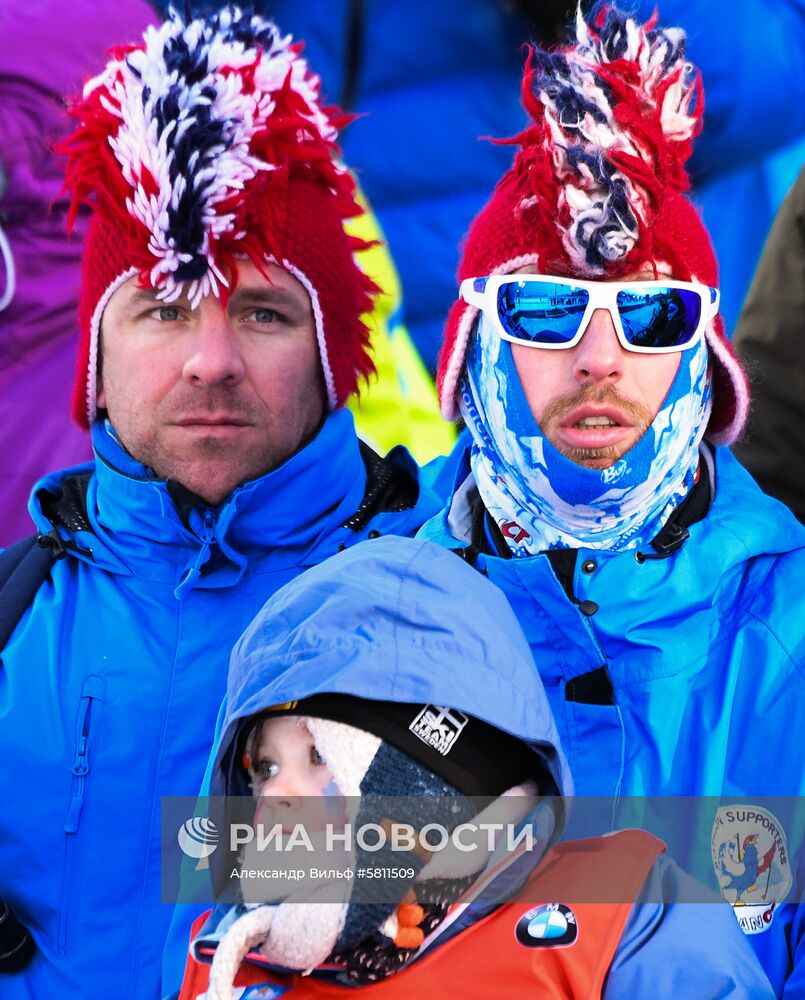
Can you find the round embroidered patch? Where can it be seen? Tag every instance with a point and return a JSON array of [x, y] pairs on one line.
[[751, 861]]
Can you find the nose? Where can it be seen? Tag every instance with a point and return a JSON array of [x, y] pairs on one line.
[[288, 785], [215, 357], [598, 356]]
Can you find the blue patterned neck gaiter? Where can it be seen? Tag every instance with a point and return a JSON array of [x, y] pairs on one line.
[[543, 500]]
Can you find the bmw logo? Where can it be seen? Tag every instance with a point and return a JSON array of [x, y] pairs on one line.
[[551, 925]]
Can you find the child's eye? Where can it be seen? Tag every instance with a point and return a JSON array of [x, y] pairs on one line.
[[266, 769], [315, 757]]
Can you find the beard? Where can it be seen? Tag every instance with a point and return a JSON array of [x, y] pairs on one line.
[[640, 418], [211, 466]]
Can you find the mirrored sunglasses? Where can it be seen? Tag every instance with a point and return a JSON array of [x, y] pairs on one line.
[[650, 317]]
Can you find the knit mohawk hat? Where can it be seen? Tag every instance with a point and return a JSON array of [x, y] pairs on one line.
[[205, 144], [597, 186]]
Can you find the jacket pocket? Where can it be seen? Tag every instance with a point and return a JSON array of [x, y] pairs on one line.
[[87, 727]]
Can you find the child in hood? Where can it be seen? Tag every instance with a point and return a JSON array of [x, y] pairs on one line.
[[394, 670]]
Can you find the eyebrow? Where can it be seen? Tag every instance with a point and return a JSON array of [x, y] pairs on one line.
[[245, 296], [144, 296], [242, 296]]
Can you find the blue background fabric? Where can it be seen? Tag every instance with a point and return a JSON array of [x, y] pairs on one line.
[[433, 78], [406, 621], [705, 652], [110, 685]]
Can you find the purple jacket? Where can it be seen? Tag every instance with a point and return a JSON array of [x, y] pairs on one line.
[[48, 50]]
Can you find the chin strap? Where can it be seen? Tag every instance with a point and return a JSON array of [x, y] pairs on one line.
[[295, 935], [248, 931]]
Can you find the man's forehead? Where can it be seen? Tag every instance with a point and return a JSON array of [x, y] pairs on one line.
[[275, 285]]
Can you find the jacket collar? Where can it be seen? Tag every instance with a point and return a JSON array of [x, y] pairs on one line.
[[487, 537], [140, 524], [731, 499]]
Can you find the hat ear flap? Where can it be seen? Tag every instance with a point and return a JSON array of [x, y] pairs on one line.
[[731, 393], [346, 750]]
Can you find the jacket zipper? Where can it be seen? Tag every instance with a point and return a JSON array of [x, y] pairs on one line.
[[91, 694], [86, 731], [206, 537]]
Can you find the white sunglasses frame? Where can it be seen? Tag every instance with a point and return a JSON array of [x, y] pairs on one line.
[[603, 295]]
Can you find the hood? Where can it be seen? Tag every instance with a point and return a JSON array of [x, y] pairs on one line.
[[398, 620]]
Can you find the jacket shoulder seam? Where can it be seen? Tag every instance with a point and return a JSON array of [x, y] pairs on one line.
[[799, 667]]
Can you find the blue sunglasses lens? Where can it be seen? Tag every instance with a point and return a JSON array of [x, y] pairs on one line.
[[541, 312], [659, 317]]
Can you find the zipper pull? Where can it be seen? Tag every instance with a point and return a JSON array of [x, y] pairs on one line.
[[81, 762], [192, 574], [208, 533], [80, 770]]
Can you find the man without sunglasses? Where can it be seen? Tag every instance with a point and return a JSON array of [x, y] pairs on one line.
[[220, 337], [659, 588]]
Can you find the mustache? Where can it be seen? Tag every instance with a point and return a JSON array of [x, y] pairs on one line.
[[212, 403], [603, 395]]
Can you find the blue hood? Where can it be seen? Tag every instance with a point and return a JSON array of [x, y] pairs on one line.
[[398, 620]]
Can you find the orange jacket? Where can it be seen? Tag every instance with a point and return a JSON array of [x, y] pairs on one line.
[[511, 952]]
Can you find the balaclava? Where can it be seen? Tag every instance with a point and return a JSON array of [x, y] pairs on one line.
[[542, 499], [204, 144], [596, 191]]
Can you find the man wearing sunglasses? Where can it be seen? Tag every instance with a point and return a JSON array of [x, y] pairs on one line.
[[659, 588]]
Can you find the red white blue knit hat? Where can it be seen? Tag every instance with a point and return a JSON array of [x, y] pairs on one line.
[[206, 144], [597, 188]]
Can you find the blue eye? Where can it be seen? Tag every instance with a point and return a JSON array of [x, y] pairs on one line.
[[265, 316], [168, 314], [315, 757]]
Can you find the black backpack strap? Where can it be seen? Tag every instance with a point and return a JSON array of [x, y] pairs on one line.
[[24, 567]]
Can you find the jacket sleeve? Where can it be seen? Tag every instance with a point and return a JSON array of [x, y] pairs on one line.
[[683, 949], [769, 340]]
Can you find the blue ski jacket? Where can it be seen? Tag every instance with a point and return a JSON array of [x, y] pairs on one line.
[[405, 621], [110, 684], [679, 672]]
